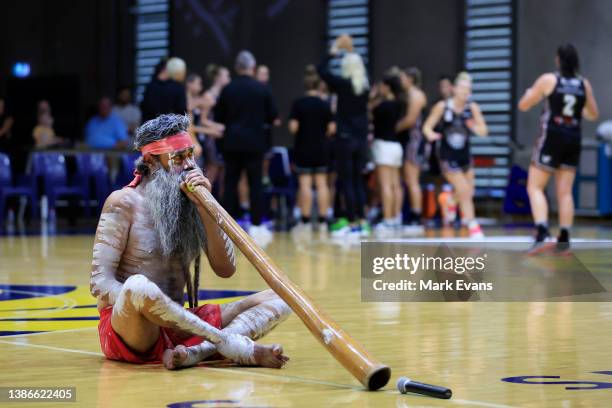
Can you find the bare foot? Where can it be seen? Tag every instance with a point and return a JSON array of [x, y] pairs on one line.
[[270, 356], [174, 358]]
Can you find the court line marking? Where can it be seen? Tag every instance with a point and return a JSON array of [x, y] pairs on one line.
[[495, 239], [287, 377], [277, 377], [351, 387], [492, 239]]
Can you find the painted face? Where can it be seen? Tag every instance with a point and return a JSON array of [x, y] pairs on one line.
[[178, 161]]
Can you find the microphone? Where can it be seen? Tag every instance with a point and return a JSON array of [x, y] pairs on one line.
[[405, 385]]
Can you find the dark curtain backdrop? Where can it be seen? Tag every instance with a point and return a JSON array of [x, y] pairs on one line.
[[92, 41], [285, 35], [425, 34], [86, 43]]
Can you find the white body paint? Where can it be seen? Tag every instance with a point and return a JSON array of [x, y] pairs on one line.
[[238, 348], [137, 290], [259, 320], [254, 323], [106, 255], [229, 247], [127, 250]]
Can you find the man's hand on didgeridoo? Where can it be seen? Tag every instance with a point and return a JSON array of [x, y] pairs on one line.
[[191, 180]]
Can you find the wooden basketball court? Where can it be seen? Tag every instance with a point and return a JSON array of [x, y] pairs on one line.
[[48, 321]]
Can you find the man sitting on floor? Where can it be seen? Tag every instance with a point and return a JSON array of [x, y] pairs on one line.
[[148, 235]]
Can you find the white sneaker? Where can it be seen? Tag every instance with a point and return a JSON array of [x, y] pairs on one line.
[[322, 228], [397, 222], [412, 230], [383, 230], [342, 232], [476, 232], [302, 227], [261, 235]]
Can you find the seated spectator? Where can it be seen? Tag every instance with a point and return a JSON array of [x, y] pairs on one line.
[[106, 130], [6, 124], [43, 134], [43, 106], [126, 110]]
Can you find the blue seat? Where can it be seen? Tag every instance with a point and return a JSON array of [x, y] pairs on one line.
[[50, 169], [516, 200], [93, 176], [126, 170], [8, 189], [283, 183]]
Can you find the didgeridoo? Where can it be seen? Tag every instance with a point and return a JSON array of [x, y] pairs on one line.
[[361, 364]]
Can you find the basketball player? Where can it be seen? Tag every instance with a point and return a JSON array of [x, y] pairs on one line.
[[388, 152], [311, 121], [460, 118], [148, 235], [416, 156], [351, 86], [569, 98]]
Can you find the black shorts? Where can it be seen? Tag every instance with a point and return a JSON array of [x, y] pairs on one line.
[[557, 149], [307, 160], [311, 170], [453, 165], [451, 160], [434, 161]]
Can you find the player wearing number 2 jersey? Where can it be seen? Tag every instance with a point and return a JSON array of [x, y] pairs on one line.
[[568, 98]]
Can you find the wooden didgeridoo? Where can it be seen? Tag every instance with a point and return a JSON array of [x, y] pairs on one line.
[[371, 373]]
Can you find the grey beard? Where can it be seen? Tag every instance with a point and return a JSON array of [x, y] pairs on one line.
[[175, 218]]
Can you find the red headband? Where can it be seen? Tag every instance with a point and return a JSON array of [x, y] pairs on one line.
[[168, 144]]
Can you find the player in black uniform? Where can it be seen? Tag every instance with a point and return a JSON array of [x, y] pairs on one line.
[[459, 118], [568, 98], [416, 146], [311, 121], [387, 151]]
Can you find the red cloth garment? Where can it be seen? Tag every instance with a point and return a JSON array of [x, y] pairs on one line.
[[114, 347]]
